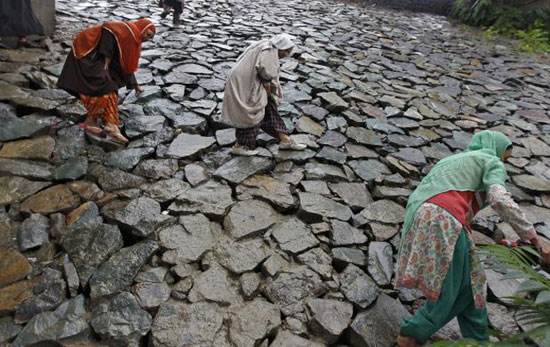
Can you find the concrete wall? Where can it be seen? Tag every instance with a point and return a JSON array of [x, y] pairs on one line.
[[45, 11]]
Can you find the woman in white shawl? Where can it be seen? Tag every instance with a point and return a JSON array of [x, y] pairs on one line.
[[252, 94]]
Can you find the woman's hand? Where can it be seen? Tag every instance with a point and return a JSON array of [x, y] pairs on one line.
[[138, 90], [107, 63], [543, 247], [267, 87]]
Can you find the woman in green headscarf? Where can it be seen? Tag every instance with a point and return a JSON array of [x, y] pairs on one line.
[[437, 255]]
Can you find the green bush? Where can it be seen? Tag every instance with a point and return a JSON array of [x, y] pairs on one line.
[[534, 309], [531, 28]]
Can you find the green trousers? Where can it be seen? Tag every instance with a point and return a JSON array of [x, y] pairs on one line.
[[456, 300]]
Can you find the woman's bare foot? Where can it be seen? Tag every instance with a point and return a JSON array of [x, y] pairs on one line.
[[407, 341]]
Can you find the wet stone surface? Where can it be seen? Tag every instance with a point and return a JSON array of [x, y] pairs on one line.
[[173, 241]]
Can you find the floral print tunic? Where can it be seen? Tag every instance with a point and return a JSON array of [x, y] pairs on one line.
[[428, 247]]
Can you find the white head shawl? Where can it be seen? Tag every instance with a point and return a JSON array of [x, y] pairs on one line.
[[282, 42]]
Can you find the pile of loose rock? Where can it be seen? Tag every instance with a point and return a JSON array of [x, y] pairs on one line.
[[172, 241]]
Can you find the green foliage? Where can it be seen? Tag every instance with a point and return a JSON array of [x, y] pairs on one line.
[[531, 28], [518, 262]]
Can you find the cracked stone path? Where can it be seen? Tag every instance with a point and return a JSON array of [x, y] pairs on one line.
[[172, 241]]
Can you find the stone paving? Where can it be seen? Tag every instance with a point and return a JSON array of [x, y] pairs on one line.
[[172, 241]]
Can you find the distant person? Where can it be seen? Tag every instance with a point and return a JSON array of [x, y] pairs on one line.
[[253, 92], [168, 5], [437, 253], [103, 60], [17, 19]]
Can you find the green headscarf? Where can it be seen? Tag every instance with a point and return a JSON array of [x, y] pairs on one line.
[[472, 170], [490, 141]]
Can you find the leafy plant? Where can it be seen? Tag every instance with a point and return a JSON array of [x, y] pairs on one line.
[[518, 262], [531, 28]]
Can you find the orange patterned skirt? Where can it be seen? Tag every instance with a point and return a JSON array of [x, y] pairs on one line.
[[105, 107]]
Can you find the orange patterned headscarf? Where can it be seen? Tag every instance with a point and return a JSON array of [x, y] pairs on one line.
[[128, 35]]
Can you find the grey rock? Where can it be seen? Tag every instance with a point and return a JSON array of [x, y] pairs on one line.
[[501, 319], [226, 137], [164, 190], [120, 270], [250, 283], [211, 198], [188, 240], [332, 138], [33, 232], [411, 155], [266, 188], [214, 285], [240, 168], [274, 264], [16, 189], [293, 236], [8, 329], [28, 169], [121, 319], [68, 320], [319, 261], [196, 174], [153, 275], [150, 295], [364, 136], [383, 232], [532, 183], [501, 288], [369, 170], [333, 101], [315, 171], [90, 245], [319, 187], [355, 195], [332, 155], [342, 256], [126, 159], [381, 262], [244, 218], [385, 211], [141, 125], [141, 215], [314, 207], [115, 179], [48, 294], [251, 322], [344, 234], [242, 256], [309, 126], [71, 274], [70, 142], [72, 169], [287, 339], [157, 168], [357, 286], [27, 126], [378, 325], [178, 324], [291, 287], [329, 318], [186, 145]]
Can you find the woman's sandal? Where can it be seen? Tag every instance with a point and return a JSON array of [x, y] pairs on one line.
[[115, 135], [96, 131]]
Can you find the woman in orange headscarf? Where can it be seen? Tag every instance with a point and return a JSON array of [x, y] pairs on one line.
[[103, 59]]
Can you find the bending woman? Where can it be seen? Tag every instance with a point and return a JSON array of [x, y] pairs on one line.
[[437, 253], [253, 92], [103, 59]]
